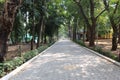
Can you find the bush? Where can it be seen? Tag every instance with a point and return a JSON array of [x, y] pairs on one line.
[[105, 53], [30, 54], [80, 42], [8, 66], [40, 49], [2, 73]]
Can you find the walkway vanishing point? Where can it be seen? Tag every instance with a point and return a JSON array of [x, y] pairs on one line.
[[66, 60]]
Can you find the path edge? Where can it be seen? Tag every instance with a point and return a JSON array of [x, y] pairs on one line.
[[100, 55], [14, 72]]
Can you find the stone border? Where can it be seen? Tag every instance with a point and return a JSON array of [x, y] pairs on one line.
[[100, 55], [14, 72], [106, 58]]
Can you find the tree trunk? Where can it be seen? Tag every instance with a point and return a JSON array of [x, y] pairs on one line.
[[45, 40], [114, 40], [115, 31], [88, 34], [42, 31], [74, 33], [84, 33], [92, 37], [39, 33], [74, 29], [50, 39], [6, 21], [119, 34], [41, 26], [33, 28], [3, 44], [69, 30]]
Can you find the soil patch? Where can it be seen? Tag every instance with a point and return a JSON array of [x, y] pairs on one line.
[[106, 45]]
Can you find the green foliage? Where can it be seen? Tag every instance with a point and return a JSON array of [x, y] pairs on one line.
[[1, 4], [30, 54], [80, 42], [40, 49], [106, 53], [2, 73], [8, 66], [18, 32]]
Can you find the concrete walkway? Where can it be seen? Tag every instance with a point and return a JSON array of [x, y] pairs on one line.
[[67, 61]]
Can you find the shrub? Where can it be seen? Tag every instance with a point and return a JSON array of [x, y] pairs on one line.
[[8, 66], [80, 42], [30, 54], [105, 53], [40, 49], [2, 73]]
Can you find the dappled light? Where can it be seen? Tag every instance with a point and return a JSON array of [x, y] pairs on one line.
[[66, 59], [27, 27]]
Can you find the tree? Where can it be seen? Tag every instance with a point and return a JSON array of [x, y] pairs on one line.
[[6, 21], [18, 31], [41, 24], [90, 20], [112, 9], [54, 19]]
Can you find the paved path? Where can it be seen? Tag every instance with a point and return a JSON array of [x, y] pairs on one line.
[[68, 61]]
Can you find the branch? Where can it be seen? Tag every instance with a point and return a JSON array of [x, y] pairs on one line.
[[106, 4], [92, 10], [82, 11], [116, 7], [100, 13]]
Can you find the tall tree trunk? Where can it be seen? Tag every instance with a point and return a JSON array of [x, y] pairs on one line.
[[119, 34], [114, 37], [33, 28], [39, 32], [93, 25], [6, 21], [74, 33], [45, 40], [88, 34], [74, 30], [41, 26], [33, 36], [114, 40], [92, 37], [3, 44], [69, 30], [42, 31], [84, 33]]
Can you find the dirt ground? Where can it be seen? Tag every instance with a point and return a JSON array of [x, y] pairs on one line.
[[17, 50], [106, 45]]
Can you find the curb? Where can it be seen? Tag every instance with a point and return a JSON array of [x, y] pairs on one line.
[[14, 72], [100, 55]]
